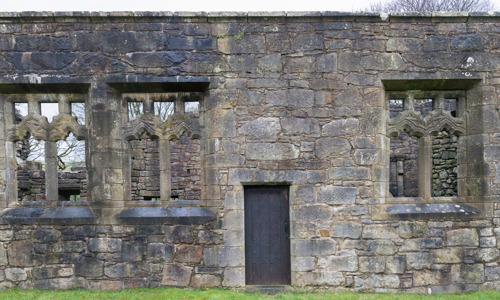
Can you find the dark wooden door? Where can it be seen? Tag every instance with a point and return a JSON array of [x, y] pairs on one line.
[[267, 235]]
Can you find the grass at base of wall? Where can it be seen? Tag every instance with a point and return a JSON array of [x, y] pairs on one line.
[[174, 293]]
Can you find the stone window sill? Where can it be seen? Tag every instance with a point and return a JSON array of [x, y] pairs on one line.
[[417, 211]]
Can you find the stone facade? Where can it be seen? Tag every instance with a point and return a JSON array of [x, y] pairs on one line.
[[297, 99]]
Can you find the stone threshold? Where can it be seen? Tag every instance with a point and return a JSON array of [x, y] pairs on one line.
[[268, 289]]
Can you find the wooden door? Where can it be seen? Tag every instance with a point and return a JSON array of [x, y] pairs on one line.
[[267, 235]]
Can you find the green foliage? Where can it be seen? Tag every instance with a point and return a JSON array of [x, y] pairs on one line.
[[237, 37]]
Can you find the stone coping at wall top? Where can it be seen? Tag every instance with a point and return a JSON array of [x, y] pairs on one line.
[[71, 16]]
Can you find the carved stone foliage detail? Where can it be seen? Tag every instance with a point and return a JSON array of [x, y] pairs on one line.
[[40, 128], [62, 125], [416, 125], [35, 124], [173, 128]]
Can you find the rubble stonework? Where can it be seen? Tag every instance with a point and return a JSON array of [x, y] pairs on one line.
[[291, 99]]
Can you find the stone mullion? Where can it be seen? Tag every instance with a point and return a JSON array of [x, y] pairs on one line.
[[51, 182], [5, 170], [179, 105], [34, 107], [148, 105], [438, 102], [165, 170], [425, 166], [409, 102]]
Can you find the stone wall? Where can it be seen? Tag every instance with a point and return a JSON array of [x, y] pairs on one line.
[[106, 257], [293, 99], [444, 164]]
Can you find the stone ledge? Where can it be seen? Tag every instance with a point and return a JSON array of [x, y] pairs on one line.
[[91, 16], [50, 215], [165, 215], [426, 211]]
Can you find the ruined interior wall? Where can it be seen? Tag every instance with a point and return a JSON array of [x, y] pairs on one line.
[[291, 100]]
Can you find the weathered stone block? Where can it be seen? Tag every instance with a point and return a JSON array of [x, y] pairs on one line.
[[20, 253], [395, 264], [312, 213], [418, 261], [447, 255], [382, 247], [205, 280], [371, 264], [189, 254], [89, 267], [46, 236], [379, 232], [473, 273], [350, 173], [492, 273], [341, 127], [296, 126], [347, 230], [261, 127], [272, 151], [486, 255], [176, 275], [308, 42], [160, 252], [462, 237], [344, 263], [105, 245], [328, 278], [412, 229], [382, 281], [337, 147], [303, 264], [234, 277], [300, 64], [383, 61], [366, 156], [326, 63], [15, 274], [225, 125], [430, 277], [121, 270], [403, 45], [291, 98], [432, 243], [270, 63], [3, 256], [247, 44], [313, 247], [337, 195], [303, 194], [224, 256], [133, 251]]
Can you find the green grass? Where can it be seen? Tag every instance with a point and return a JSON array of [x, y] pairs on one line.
[[173, 293]]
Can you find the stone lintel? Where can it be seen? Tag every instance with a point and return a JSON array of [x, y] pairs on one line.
[[153, 84], [430, 81]]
